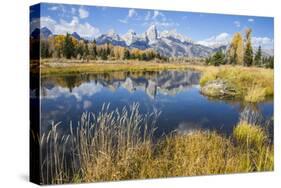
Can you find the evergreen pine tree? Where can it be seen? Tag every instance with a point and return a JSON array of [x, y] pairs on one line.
[[94, 49], [86, 51], [248, 54], [258, 57], [126, 54], [217, 59], [68, 47]]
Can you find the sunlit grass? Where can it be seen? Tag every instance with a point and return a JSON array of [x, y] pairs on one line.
[[254, 140], [248, 134], [118, 145], [255, 94], [96, 147], [50, 68]]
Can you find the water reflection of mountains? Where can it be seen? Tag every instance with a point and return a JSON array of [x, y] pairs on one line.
[[164, 82]]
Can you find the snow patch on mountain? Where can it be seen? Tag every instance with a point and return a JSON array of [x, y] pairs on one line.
[[222, 39]]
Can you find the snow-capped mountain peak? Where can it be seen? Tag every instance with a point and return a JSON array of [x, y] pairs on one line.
[[110, 37], [151, 34], [174, 34], [113, 35], [222, 39], [130, 37]]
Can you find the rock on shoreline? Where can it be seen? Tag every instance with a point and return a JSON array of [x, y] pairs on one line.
[[218, 88]]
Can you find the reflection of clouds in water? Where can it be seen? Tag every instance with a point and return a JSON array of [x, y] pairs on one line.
[[48, 118], [85, 89], [188, 127], [87, 104]]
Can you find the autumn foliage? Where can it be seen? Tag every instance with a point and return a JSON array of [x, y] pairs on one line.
[[66, 46]]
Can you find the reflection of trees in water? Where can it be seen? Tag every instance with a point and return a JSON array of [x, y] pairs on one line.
[[148, 81], [251, 114], [69, 81]]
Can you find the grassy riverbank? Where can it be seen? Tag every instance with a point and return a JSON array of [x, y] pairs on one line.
[[118, 145], [49, 67]]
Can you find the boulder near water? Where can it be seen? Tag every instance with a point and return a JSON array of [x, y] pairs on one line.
[[218, 88]]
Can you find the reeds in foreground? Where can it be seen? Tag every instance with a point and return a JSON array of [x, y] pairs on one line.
[[118, 145], [97, 145]]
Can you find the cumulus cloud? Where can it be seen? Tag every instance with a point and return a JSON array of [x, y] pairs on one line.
[[132, 13], [85, 89], [225, 39], [83, 13], [264, 42], [159, 19], [237, 23], [61, 10], [43, 22], [215, 41], [157, 14], [63, 27]]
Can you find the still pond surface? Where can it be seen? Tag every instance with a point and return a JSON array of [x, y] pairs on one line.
[[175, 93]]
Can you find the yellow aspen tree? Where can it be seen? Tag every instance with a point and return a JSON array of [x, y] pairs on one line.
[[236, 50]]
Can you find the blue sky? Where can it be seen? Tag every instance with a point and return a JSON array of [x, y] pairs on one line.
[[91, 21]]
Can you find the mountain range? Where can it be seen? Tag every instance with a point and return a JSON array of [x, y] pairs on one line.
[[167, 43]]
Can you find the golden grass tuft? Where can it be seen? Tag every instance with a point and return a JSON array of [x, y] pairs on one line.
[[255, 94], [251, 135], [208, 76]]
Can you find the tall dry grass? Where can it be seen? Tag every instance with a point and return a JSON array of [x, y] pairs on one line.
[[119, 145], [96, 146]]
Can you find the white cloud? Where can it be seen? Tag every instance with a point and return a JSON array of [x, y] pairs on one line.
[[43, 22], [159, 19], [237, 23], [132, 13], [264, 42], [216, 41], [83, 29], [251, 20], [150, 18], [225, 39], [83, 13], [85, 89], [157, 14]]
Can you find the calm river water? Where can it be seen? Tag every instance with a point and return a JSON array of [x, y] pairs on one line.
[[175, 93]]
